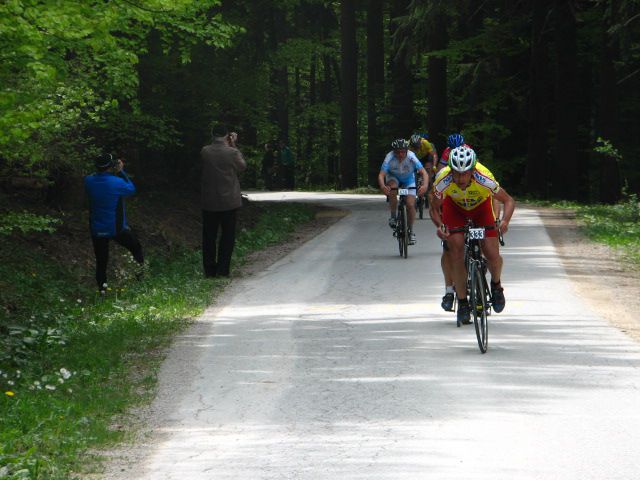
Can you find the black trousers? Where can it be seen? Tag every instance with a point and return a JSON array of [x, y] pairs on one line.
[[127, 239], [216, 255]]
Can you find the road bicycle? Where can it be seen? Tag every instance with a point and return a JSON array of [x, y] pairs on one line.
[[478, 291], [401, 232]]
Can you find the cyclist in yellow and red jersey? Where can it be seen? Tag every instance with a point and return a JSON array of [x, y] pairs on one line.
[[464, 189], [424, 150]]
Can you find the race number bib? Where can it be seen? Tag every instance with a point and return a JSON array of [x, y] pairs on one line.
[[403, 191], [476, 233]]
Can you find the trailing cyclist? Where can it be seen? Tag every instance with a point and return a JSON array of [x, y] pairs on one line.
[[454, 140], [464, 189], [398, 171]]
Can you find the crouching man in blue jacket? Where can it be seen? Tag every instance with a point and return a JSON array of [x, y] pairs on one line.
[[106, 190]]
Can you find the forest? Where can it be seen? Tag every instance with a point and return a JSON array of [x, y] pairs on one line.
[[547, 91]]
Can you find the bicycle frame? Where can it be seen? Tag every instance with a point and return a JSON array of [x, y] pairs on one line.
[[478, 291], [401, 231]]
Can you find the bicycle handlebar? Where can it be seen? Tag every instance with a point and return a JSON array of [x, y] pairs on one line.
[[486, 227]]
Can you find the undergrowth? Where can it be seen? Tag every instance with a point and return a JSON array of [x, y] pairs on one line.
[[71, 362]]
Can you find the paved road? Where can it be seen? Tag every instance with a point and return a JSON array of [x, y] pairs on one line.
[[327, 366]]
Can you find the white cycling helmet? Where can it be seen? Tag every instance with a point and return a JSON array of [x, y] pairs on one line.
[[462, 159], [415, 140]]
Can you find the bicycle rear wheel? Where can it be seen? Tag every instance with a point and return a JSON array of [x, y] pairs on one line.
[[420, 207], [400, 228], [479, 306], [405, 231]]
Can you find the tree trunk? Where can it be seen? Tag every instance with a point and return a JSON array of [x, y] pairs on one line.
[[401, 108], [537, 151], [279, 77], [437, 80], [607, 118], [349, 111], [375, 87], [565, 183]]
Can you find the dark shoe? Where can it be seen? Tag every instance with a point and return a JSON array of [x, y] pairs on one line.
[[392, 222], [447, 302], [464, 312], [497, 297]]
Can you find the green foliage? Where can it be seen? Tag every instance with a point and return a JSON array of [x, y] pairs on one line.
[[72, 364], [605, 147], [68, 67], [26, 222]]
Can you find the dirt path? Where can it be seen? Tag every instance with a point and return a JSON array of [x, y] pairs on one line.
[[598, 273]]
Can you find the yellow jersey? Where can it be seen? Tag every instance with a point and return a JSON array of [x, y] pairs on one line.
[[424, 149], [483, 185]]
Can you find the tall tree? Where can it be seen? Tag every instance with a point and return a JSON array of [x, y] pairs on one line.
[[437, 39], [401, 106], [565, 184], [375, 85], [349, 112], [280, 74], [607, 117], [537, 143]]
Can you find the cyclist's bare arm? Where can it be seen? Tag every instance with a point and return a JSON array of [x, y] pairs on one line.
[[509, 205], [425, 181], [435, 205], [385, 189]]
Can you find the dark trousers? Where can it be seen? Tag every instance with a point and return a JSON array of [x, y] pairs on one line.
[[127, 239], [219, 264]]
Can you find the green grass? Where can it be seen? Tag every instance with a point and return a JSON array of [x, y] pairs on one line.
[[71, 364]]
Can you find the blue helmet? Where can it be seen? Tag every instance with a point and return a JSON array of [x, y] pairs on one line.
[[455, 140]]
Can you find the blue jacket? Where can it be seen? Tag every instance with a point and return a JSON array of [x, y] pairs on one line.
[[106, 193]]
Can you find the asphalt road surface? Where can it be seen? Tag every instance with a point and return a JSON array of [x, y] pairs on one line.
[[337, 362]]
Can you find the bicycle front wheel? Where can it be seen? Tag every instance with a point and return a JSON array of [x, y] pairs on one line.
[[478, 303]]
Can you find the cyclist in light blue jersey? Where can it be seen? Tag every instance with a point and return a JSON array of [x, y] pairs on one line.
[[398, 171]]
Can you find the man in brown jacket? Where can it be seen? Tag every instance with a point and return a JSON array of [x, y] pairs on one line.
[[221, 198]]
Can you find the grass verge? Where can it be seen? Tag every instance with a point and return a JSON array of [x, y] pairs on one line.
[[70, 362]]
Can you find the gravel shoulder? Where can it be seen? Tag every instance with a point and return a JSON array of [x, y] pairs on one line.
[[599, 274]]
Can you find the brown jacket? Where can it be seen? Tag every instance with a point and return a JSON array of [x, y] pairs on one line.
[[221, 165]]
